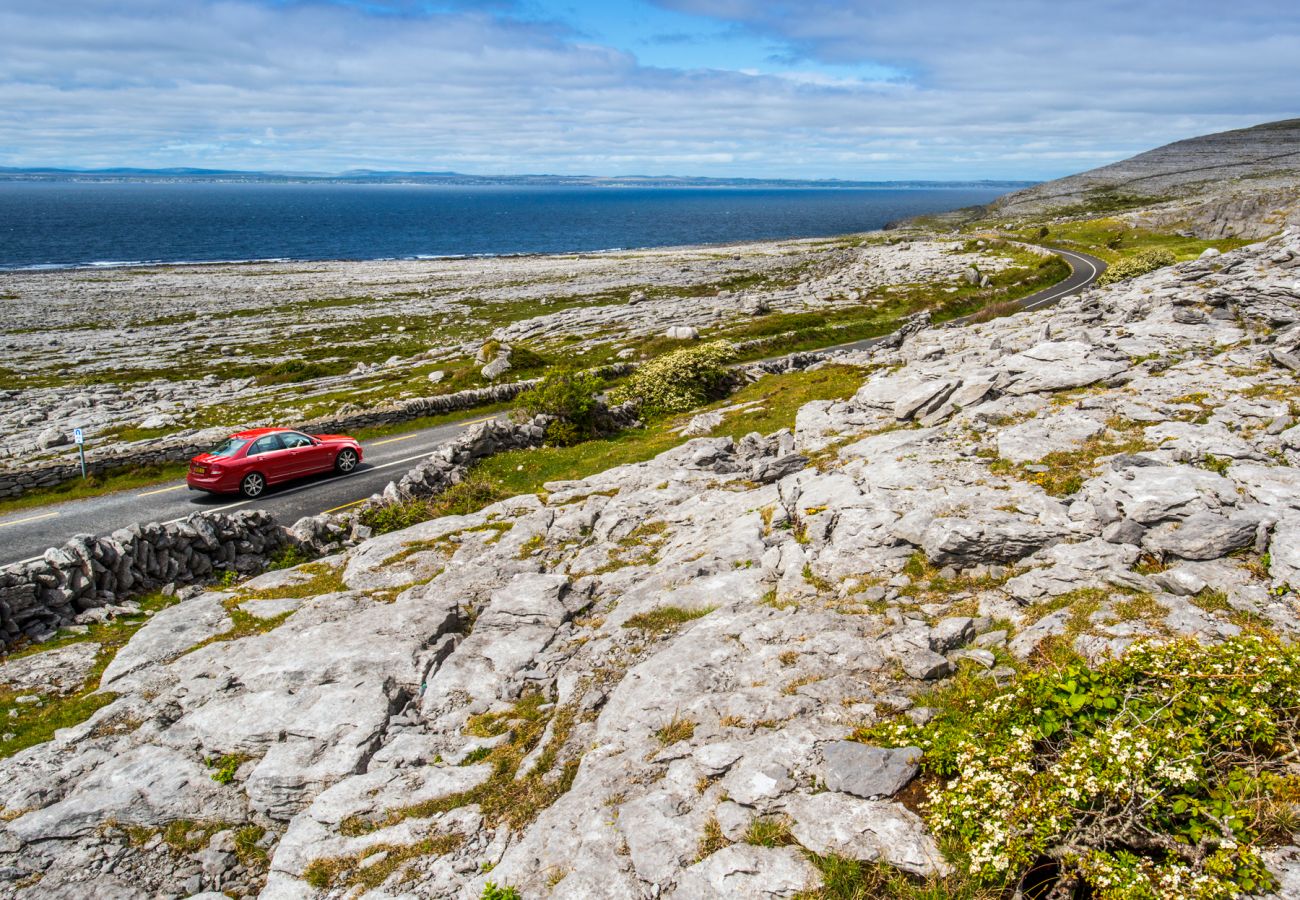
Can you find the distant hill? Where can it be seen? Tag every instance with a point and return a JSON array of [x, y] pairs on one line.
[[366, 176], [1235, 182]]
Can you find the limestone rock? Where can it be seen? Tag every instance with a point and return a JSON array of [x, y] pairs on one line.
[[744, 871], [868, 772], [867, 830]]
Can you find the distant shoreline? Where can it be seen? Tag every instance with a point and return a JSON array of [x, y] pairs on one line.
[[456, 179]]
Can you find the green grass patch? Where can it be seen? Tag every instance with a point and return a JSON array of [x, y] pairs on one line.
[[509, 797], [666, 618], [526, 471], [1063, 472], [324, 580], [32, 723], [851, 879], [354, 871], [1114, 239], [679, 728]]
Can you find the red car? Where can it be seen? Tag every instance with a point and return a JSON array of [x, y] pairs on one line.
[[249, 461]]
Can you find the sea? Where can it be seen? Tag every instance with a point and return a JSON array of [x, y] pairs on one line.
[[63, 224]]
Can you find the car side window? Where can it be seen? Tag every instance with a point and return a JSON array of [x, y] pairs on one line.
[[265, 445], [293, 440]]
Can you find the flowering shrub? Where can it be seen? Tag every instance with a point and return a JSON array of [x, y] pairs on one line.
[[1152, 777], [1133, 266], [680, 380]]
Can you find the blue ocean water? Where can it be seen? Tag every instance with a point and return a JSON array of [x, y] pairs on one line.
[[56, 224]]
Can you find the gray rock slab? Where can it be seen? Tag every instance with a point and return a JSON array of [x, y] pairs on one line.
[[751, 872], [868, 772], [984, 537], [170, 633], [867, 830], [1038, 437], [59, 671], [1060, 365], [1203, 535]]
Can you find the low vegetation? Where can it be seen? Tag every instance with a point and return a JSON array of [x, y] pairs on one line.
[[1133, 266], [1158, 775], [1063, 472], [768, 404], [666, 618], [680, 380], [1113, 239], [570, 396], [30, 719]]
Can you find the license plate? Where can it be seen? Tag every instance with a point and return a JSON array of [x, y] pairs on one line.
[[200, 470]]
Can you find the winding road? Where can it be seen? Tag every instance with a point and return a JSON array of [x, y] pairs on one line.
[[26, 534]]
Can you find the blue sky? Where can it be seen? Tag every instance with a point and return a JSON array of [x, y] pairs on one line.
[[856, 89]]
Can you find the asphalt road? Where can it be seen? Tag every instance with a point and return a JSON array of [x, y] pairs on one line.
[[1084, 270], [27, 534]]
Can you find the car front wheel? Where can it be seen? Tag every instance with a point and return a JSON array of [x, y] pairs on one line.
[[346, 461], [252, 485]]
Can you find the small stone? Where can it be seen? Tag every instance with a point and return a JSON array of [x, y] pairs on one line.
[[1125, 531], [925, 665]]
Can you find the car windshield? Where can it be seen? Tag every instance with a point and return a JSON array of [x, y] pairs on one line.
[[228, 447]]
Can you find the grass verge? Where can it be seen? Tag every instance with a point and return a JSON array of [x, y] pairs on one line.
[[34, 721]]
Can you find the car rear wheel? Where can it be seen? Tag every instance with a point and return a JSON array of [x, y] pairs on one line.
[[346, 461], [252, 485]]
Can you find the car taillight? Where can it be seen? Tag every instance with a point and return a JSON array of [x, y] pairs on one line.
[[214, 470]]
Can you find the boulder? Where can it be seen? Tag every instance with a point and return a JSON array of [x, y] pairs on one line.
[[986, 536], [497, 367], [682, 333], [1203, 535], [868, 772], [867, 830], [52, 437]]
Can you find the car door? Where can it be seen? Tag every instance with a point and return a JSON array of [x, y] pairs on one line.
[[308, 457], [267, 455]]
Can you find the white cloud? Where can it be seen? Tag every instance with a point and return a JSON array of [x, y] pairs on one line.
[[990, 90]]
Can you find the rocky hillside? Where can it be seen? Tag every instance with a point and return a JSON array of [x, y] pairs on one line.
[[1244, 183], [670, 679]]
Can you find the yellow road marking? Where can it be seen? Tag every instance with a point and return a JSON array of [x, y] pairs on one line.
[[175, 487], [28, 519], [478, 421], [346, 505], [405, 437]]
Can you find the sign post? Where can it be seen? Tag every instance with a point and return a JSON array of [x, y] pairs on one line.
[[80, 437]]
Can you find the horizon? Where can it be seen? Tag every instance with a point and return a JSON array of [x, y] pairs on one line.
[[182, 172], [857, 90]]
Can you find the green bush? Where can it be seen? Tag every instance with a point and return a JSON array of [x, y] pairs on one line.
[[523, 358], [568, 395], [492, 892], [295, 370], [1156, 776], [678, 381], [1133, 266]]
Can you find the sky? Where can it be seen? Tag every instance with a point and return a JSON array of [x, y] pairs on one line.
[[856, 89]]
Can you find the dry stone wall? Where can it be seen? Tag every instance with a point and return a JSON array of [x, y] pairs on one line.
[[71, 584], [88, 577]]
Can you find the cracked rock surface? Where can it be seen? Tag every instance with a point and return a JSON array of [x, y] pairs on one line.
[[594, 692]]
